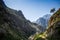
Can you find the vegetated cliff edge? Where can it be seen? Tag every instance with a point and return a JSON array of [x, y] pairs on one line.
[[14, 26], [53, 30]]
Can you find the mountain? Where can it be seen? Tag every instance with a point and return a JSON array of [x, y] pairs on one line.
[[14, 26], [53, 30], [43, 21]]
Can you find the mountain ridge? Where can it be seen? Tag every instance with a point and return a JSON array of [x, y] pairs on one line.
[[13, 24]]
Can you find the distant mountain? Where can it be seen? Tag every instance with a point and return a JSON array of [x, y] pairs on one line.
[[14, 26], [43, 21]]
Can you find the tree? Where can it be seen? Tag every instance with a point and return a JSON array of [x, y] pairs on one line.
[[52, 10]]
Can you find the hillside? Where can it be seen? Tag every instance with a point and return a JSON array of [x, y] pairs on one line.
[[53, 30], [14, 26]]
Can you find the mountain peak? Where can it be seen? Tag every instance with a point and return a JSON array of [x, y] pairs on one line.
[[43, 21], [20, 14]]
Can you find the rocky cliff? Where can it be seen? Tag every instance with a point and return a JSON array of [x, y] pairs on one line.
[[53, 32]]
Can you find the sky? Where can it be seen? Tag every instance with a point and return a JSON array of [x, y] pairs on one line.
[[33, 9]]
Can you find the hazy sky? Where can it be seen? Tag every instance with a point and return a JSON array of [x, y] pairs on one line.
[[33, 9]]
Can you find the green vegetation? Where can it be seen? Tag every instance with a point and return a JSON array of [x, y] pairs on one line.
[[39, 37]]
